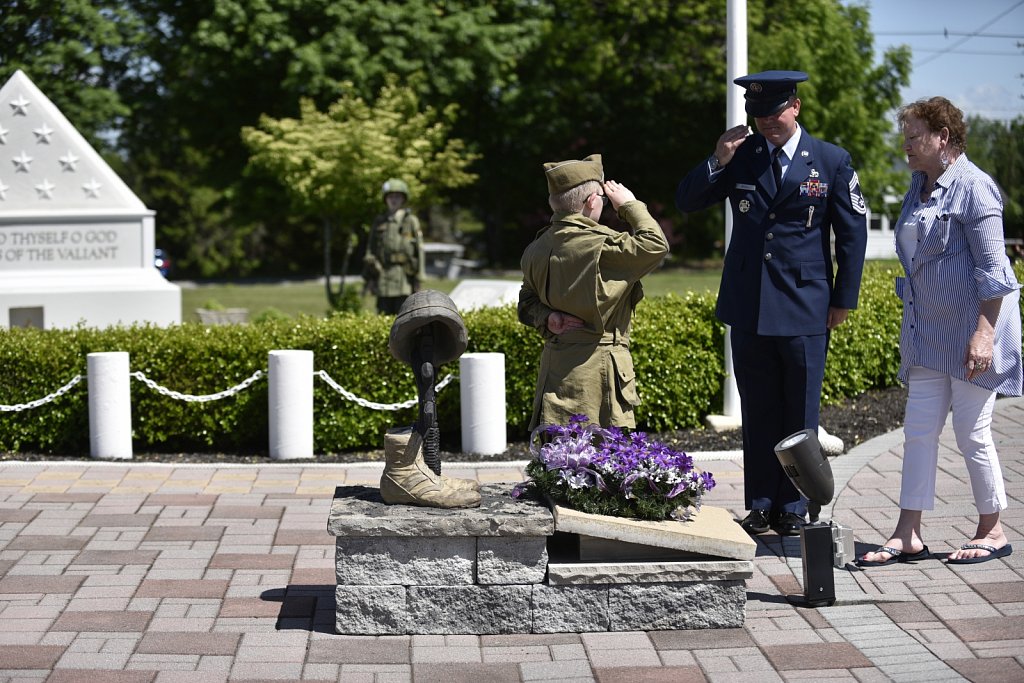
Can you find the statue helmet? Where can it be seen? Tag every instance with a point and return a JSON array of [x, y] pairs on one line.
[[395, 185]]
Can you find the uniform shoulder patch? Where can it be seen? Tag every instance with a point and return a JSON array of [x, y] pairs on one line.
[[856, 196]]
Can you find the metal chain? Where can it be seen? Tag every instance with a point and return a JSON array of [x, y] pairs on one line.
[[192, 398], [42, 401], [244, 384], [322, 374]]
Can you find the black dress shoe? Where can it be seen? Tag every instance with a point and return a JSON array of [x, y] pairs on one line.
[[788, 524], [756, 522]]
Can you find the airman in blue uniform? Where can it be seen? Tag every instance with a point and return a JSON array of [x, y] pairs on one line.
[[781, 293]]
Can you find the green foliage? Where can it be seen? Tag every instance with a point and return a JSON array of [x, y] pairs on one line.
[[535, 81], [213, 305], [350, 300], [497, 330], [76, 53], [864, 351], [268, 314], [677, 347], [332, 163], [998, 149], [849, 98], [609, 77], [213, 68]]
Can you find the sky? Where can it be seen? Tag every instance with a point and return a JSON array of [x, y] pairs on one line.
[[978, 65]]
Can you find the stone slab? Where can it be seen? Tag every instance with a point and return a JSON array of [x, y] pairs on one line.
[[429, 561], [581, 573], [570, 609], [517, 559], [371, 610], [659, 607], [450, 610], [359, 511], [712, 531]]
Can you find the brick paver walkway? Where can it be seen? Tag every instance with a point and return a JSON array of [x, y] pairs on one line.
[[132, 572]]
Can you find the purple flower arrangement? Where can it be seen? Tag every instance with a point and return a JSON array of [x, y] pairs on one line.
[[607, 472]]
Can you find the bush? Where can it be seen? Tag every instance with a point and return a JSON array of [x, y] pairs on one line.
[[677, 346], [864, 352]]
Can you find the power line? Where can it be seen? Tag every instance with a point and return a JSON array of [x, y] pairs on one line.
[[972, 34], [945, 33], [972, 52]]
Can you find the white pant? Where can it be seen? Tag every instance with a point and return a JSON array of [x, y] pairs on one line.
[[930, 397]]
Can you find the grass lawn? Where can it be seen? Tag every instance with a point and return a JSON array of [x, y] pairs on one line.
[[309, 297]]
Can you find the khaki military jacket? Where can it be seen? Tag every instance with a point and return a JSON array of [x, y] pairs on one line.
[[394, 256], [593, 272]]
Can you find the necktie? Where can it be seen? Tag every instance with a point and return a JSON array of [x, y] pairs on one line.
[[777, 167]]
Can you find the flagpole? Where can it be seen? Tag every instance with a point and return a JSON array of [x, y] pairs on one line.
[[735, 66]]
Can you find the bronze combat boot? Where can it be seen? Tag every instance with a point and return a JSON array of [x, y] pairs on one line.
[[407, 479], [401, 437]]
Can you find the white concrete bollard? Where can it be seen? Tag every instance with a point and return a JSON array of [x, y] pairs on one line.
[[482, 388], [290, 375], [110, 406]]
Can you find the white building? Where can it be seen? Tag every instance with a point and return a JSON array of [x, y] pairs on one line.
[[881, 231]]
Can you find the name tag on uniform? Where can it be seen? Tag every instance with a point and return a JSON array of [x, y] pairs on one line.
[[744, 186]]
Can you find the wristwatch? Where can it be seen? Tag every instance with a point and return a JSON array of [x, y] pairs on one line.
[[713, 163]]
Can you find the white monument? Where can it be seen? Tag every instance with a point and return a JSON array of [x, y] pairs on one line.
[[76, 244], [471, 294]]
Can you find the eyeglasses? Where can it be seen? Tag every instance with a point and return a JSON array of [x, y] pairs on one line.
[[604, 198]]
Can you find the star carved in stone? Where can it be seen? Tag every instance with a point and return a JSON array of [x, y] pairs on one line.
[[21, 163], [68, 162], [92, 188], [43, 134], [3, 191], [20, 106], [45, 189], [3, 135]]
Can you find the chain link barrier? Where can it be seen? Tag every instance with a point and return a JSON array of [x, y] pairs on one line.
[[241, 386], [17, 407], [192, 398], [322, 374]]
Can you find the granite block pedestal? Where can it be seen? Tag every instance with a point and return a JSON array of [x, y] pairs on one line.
[[516, 566]]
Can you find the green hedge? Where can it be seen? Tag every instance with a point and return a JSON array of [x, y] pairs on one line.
[[677, 346]]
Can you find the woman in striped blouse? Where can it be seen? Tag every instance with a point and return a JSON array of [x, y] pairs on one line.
[[960, 342]]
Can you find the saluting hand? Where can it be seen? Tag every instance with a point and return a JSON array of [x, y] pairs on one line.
[[617, 193], [730, 142]]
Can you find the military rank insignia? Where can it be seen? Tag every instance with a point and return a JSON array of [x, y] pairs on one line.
[[856, 196]]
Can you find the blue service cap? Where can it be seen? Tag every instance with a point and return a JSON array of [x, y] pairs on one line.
[[768, 91]]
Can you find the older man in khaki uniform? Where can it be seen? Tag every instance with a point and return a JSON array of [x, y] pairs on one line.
[[581, 282]]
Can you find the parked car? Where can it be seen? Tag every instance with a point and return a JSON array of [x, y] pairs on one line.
[[162, 261]]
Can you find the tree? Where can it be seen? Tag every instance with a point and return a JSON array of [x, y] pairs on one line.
[[643, 82], [640, 81], [997, 147], [219, 66], [849, 100], [78, 56], [332, 163]]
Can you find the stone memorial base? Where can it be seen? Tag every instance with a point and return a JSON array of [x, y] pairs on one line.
[[508, 567]]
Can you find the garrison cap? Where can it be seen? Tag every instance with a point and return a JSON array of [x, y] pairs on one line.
[[768, 91], [565, 175]]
